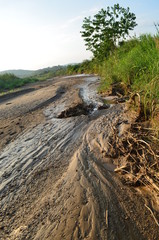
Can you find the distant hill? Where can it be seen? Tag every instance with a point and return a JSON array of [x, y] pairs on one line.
[[47, 70], [28, 73]]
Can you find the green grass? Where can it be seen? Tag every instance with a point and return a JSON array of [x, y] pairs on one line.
[[135, 64], [10, 82]]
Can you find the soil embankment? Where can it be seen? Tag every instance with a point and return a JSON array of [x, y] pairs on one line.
[[57, 178]]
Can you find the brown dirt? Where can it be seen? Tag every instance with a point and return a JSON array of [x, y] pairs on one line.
[[57, 178]]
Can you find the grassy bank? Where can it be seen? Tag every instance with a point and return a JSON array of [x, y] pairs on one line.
[[134, 66], [133, 69], [10, 81]]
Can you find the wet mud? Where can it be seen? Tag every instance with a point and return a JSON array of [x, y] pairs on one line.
[[57, 178]]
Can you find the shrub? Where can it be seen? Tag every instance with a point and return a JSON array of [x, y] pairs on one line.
[[10, 81]]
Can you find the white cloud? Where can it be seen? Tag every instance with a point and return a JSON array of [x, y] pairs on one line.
[[80, 17], [91, 11], [75, 19]]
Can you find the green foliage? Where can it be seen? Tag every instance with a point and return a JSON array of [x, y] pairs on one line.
[[10, 81], [108, 27], [136, 64], [48, 73]]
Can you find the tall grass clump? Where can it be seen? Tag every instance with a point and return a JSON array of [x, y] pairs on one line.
[[135, 64]]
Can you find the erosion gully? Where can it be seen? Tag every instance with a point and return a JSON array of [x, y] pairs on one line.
[[57, 178]]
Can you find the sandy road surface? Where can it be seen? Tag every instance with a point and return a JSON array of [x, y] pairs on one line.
[[57, 177]]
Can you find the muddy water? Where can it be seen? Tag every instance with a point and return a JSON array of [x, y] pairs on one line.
[[57, 178]]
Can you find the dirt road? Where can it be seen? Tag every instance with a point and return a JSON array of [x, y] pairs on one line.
[[57, 178]]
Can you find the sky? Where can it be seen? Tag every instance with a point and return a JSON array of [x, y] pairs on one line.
[[43, 33]]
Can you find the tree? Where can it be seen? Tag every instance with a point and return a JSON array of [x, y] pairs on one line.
[[108, 27]]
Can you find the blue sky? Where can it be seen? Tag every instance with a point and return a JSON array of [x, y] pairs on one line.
[[41, 33]]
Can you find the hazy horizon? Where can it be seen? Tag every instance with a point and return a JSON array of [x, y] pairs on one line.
[[21, 69], [44, 33]]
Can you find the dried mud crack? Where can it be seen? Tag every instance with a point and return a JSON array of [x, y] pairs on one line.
[[57, 178]]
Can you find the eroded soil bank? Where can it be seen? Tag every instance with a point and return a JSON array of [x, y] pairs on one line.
[[57, 178]]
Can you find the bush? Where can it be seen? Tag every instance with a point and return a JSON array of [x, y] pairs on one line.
[[10, 81]]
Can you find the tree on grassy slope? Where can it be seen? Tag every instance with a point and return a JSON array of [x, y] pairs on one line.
[[107, 29]]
